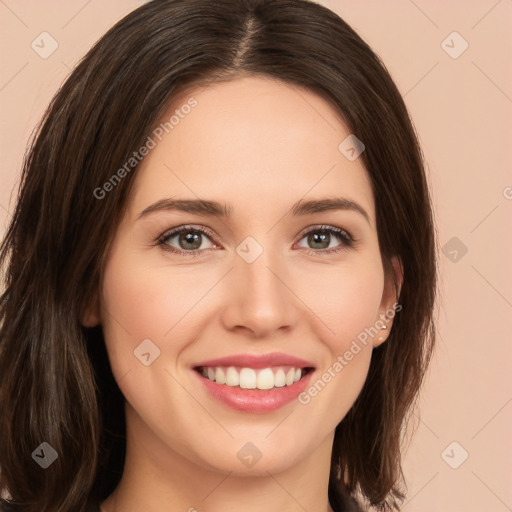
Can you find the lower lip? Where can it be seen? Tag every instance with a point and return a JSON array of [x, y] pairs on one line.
[[255, 400]]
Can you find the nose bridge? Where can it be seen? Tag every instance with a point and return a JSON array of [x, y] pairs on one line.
[[260, 299], [259, 270]]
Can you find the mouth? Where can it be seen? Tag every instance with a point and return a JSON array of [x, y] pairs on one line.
[[254, 378], [254, 383]]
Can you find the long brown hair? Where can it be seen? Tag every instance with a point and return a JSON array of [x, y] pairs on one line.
[[56, 385]]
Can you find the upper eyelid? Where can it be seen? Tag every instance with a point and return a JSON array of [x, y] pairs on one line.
[[327, 227], [177, 230]]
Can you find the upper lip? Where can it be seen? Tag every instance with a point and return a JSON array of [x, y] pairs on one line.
[[258, 361]]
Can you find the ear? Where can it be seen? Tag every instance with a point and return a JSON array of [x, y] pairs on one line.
[[90, 317], [389, 304]]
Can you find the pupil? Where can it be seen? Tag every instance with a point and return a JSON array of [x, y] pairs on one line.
[[191, 238], [320, 237]]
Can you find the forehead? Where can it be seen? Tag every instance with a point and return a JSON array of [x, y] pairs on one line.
[[250, 140]]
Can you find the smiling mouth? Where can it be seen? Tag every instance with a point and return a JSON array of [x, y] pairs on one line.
[[254, 378]]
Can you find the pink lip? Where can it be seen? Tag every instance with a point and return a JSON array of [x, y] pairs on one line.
[[254, 400], [258, 361]]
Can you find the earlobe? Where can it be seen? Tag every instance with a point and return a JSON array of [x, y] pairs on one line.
[[381, 338], [389, 302], [90, 320], [90, 317]]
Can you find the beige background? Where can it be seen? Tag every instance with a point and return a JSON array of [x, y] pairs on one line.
[[462, 111]]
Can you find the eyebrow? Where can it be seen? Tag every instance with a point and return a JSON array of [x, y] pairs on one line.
[[215, 209]]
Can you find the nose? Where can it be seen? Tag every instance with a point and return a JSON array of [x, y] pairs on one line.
[[259, 298]]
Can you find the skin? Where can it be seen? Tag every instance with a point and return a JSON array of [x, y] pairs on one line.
[[259, 145]]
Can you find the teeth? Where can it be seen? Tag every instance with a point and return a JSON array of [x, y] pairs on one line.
[[279, 378], [232, 377], [219, 376], [248, 378], [265, 379]]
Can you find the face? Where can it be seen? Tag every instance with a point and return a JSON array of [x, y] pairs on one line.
[[261, 286]]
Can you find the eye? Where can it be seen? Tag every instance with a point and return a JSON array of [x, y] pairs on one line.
[[321, 238], [188, 238]]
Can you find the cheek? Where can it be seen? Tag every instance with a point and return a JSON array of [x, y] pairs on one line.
[[140, 303], [345, 300], [142, 300], [148, 301]]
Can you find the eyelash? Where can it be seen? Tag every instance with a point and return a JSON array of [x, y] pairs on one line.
[[347, 240]]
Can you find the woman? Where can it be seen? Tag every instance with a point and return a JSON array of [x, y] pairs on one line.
[[176, 332]]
